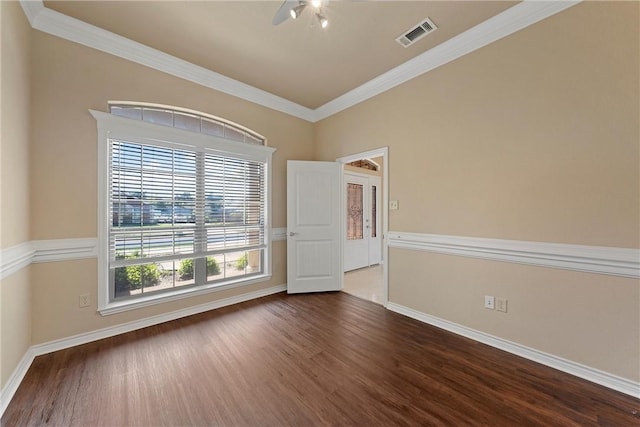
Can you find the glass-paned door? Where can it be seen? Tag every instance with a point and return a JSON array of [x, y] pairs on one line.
[[363, 246], [355, 219]]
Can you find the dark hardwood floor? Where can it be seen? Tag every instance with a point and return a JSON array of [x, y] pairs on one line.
[[305, 360]]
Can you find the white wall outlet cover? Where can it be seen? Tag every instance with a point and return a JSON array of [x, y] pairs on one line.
[[489, 302], [84, 300], [393, 204]]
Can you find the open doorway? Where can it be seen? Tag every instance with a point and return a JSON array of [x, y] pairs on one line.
[[365, 183]]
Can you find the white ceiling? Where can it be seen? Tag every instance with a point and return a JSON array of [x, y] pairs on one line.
[[295, 67]]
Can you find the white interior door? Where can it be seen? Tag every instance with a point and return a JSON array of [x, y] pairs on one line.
[[314, 207], [363, 245]]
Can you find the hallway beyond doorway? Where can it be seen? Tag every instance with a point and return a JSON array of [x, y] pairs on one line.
[[365, 283]]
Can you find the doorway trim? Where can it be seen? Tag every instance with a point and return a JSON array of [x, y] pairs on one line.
[[384, 153]]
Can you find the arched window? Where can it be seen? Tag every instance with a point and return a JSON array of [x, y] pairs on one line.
[[183, 118], [183, 205]]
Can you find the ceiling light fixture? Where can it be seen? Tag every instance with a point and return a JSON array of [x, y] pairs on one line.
[[296, 11], [294, 8], [322, 20]]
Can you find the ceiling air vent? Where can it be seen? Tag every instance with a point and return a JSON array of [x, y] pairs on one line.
[[416, 33]]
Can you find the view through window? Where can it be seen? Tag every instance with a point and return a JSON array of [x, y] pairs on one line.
[[181, 213]]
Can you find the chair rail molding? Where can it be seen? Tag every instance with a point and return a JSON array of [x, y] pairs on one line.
[[64, 249], [591, 259], [15, 258], [278, 234]]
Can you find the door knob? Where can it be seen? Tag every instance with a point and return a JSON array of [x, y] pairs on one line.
[[292, 233]]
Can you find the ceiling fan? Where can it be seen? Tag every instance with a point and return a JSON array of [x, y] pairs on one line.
[[294, 8]]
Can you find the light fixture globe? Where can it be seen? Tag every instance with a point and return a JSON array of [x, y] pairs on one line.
[[296, 11], [324, 22]]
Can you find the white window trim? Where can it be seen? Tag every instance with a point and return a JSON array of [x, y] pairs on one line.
[[110, 126]]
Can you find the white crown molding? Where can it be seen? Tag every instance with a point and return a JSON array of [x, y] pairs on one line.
[[591, 259], [68, 28], [597, 376], [508, 22], [511, 20], [32, 9], [18, 374]]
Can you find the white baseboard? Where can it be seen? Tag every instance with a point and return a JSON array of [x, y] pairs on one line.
[[15, 379], [18, 374], [611, 381]]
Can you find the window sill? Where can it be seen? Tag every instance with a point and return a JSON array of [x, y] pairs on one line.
[[122, 306]]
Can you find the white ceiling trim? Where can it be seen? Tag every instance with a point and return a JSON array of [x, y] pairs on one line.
[[66, 27], [508, 22]]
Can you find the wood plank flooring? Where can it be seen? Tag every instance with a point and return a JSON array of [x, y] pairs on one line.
[[304, 360]]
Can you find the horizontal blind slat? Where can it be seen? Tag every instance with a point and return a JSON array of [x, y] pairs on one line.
[[154, 207]]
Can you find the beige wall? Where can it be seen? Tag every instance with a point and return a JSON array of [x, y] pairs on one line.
[[56, 287], [14, 211], [15, 291], [534, 137], [68, 79], [531, 122], [587, 318], [15, 321]]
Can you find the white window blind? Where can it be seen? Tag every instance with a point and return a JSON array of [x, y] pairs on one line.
[[169, 203], [183, 212]]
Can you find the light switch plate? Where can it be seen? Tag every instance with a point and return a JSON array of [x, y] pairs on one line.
[[501, 304]]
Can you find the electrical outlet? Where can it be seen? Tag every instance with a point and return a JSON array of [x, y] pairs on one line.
[[393, 205], [489, 302], [501, 304], [84, 300]]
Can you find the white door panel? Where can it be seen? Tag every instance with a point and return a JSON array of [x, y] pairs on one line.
[[314, 251], [310, 211]]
